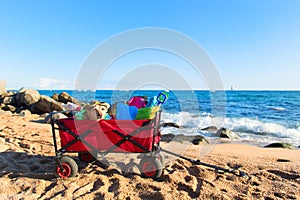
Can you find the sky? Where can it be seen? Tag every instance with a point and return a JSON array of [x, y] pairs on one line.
[[254, 44]]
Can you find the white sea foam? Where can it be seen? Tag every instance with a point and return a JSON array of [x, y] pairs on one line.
[[247, 128]]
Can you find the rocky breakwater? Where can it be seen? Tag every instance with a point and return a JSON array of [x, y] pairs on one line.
[[28, 101]]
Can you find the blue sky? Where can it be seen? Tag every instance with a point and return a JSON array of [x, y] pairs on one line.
[[254, 44]]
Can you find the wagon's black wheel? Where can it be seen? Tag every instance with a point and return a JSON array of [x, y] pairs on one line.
[[86, 157], [69, 166], [150, 167], [161, 158]]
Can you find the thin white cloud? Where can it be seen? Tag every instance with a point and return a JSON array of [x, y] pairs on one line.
[[50, 83]]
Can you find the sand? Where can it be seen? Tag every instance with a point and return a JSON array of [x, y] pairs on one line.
[[27, 170]]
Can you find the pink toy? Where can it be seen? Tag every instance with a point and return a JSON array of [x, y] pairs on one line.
[[137, 101]]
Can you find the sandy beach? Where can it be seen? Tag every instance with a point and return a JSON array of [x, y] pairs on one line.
[[27, 171]]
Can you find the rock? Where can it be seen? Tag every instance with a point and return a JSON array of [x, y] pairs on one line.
[[65, 98], [55, 97], [9, 108], [225, 133], [47, 104], [34, 109], [280, 145], [210, 129], [283, 160], [2, 92], [24, 113], [54, 116], [7, 94], [198, 139], [19, 109], [27, 96], [2, 112], [10, 100], [44, 115], [171, 124], [195, 139], [167, 137]]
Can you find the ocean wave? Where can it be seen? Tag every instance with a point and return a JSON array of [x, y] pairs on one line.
[[252, 128], [278, 108]]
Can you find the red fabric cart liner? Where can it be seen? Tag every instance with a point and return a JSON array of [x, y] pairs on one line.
[[103, 137]]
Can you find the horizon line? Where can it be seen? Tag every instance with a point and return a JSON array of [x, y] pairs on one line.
[[156, 89]]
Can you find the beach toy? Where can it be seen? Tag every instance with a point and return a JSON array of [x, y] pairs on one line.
[[107, 117], [162, 97], [125, 112], [152, 102], [79, 114], [137, 101], [147, 113]]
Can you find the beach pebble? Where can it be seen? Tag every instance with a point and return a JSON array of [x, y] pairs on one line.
[[23, 145], [24, 113]]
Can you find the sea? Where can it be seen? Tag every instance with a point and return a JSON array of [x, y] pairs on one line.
[[255, 117]]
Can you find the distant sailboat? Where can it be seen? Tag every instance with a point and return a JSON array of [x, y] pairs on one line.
[[232, 87]]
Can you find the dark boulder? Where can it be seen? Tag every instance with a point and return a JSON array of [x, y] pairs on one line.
[[225, 133], [210, 129], [195, 139], [280, 145], [171, 124], [27, 97], [34, 109], [10, 100], [199, 139], [2, 105], [47, 104], [54, 116], [9, 108], [65, 98], [7, 94], [19, 109], [167, 137], [55, 97]]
